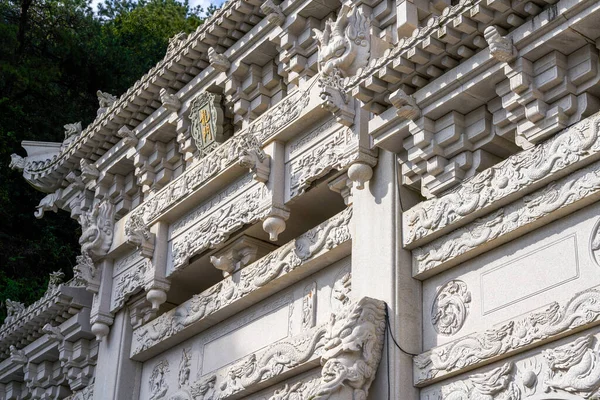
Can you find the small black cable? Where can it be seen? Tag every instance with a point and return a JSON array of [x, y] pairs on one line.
[[389, 328]]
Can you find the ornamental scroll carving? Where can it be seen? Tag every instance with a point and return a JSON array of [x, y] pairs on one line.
[[276, 264], [450, 307], [497, 225], [577, 145], [243, 149], [345, 43], [511, 337]]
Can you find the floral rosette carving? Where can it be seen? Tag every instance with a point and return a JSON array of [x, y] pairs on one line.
[[450, 307]]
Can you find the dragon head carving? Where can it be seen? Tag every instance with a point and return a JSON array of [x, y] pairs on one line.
[[97, 229], [352, 351], [345, 43]]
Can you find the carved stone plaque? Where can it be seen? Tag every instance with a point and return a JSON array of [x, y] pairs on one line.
[[206, 118]]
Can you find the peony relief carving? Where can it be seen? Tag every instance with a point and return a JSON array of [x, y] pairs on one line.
[[345, 43], [450, 307]]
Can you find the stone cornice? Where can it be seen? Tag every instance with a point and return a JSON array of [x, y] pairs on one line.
[[515, 336], [547, 204], [48, 175], [27, 324], [293, 257], [506, 181]]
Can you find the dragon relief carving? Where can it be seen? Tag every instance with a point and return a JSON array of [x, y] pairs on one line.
[[279, 262], [512, 336], [352, 351], [496, 384], [97, 229], [351, 345], [450, 307], [345, 43], [574, 368]]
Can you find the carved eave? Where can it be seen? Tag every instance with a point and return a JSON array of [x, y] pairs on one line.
[[178, 68], [57, 304]]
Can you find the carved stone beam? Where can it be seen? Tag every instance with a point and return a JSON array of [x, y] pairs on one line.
[[501, 47], [273, 12], [218, 61], [241, 252]]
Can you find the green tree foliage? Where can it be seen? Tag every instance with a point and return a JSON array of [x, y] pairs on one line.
[[54, 55]]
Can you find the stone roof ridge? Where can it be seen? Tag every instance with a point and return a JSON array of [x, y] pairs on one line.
[[22, 316], [36, 167], [407, 43]]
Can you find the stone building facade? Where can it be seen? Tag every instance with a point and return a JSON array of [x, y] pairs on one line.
[[311, 199]]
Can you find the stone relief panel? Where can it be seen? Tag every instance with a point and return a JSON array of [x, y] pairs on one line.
[[565, 369], [276, 325], [547, 265], [260, 275], [244, 202]]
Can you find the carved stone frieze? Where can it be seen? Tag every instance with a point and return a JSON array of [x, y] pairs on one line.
[[217, 223], [280, 115], [334, 153], [498, 383], [240, 148], [345, 43], [130, 282], [276, 264], [497, 226], [450, 307], [578, 145], [513, 336]]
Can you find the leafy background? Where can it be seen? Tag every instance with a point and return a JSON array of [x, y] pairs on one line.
[[54, 55]]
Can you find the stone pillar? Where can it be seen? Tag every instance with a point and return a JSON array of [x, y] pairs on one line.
[[117, 376], [382, 269]]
